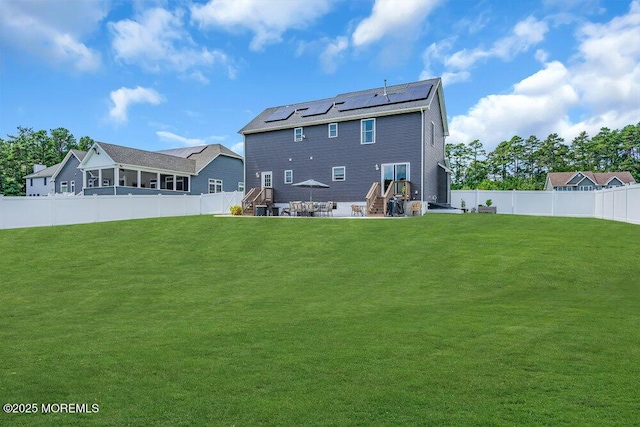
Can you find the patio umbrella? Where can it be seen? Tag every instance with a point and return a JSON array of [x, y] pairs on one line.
[[310, 184]]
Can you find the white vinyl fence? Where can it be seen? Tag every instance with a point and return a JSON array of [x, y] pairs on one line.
[[18, 212], [619, 204]]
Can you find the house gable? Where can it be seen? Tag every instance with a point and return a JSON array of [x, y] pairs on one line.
[[408, 133], [68, 175]]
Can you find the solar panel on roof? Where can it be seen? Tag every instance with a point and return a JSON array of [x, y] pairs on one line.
[[354, 102], [414, 93], [282, 113], [318, 108]]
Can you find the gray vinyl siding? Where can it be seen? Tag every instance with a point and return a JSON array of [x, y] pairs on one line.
[[70, 172], [435, 181], [227, 169], [397, 140]]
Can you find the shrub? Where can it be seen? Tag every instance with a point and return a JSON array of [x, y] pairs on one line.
[[236, 210], [489, 202]]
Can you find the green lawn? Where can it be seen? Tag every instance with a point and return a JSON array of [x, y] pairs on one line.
[[439, 320]]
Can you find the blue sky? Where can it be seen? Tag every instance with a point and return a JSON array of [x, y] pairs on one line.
[[166, 74]]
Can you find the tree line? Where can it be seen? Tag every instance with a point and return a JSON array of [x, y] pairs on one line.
[[18, 154], [523, 164]]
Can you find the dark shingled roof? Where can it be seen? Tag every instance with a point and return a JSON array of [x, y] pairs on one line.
[[44, 173], [559, 179], [149, 159], [260, 123], [189, 160]]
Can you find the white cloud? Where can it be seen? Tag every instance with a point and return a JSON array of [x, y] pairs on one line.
[[537, 103], [172, 137], [157, 41], [390, 17], [602, 81], [332, 53], [449, 78], [525, 34], [125, 97], [268, 20], [238, 148], [53, 33]]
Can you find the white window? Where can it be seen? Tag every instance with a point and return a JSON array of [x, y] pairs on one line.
[[288, 176], [333, 130], [266, 180], [73, 186], [433, 134], [240, 186], [180, 183], [153, 183], [586, 187], [215, 185], [297, 134], [64, 188], [368, 134], [338, 173]]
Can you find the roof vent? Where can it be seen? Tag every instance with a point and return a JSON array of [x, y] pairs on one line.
[[385, 90]]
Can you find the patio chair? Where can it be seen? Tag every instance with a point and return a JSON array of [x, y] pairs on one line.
[[309, 208], [293, 209], [329, 208]]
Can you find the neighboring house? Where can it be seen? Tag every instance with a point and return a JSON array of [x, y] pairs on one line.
[[113, 169], [40, 182], [361, 144], [586, 181], [68, 178]]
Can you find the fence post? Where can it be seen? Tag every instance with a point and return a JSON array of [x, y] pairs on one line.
[[626, 203], [1, 211], [513, 201]]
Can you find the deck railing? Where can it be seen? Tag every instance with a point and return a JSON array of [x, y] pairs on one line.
[[372, 196], [257, 196]]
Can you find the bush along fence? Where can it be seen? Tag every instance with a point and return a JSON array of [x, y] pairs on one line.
[[619, 204], [20, 212]]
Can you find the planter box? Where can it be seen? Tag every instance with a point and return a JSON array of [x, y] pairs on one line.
[[487, 209]]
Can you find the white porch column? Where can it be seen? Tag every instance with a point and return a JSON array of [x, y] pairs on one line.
[[99, 177], [138, 177]]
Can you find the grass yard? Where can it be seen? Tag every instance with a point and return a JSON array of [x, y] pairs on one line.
[[440, 320]]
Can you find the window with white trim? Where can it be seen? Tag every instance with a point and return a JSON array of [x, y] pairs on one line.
[[73, 186], [433, 134], [333, 130], [215, 185], [368, 131], [586, 188], [298, 135], [240, 186], [338, 173], [288, 176], [64, 187]]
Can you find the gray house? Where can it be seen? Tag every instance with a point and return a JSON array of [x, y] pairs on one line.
[[587, 181], [109, 169], [67, 179], [40, 182], [367, 146]]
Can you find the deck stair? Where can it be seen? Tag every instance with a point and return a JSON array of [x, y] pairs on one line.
[[375, 205], [254, 197], [377, 202]]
